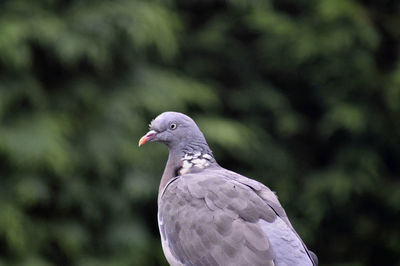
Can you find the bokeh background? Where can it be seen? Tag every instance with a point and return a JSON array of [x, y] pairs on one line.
[[302, 95]]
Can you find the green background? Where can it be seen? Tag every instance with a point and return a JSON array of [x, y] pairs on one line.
[[302, 95]]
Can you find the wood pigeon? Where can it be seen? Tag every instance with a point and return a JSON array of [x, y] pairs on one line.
[[208, 215]]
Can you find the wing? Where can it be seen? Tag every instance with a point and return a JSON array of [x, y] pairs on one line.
[[221, 218], [213, 221], [272, 200]]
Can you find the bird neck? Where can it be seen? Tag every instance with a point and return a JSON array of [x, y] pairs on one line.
[[190, 158]]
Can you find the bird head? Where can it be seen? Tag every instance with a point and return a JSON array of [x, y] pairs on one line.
[[174, 130]]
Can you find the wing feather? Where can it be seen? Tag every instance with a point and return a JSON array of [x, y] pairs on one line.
[[212, 218]]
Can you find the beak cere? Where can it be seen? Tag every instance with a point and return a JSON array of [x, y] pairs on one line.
[[149, 136]]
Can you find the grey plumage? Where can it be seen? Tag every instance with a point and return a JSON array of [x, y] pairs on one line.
[[212, 216]]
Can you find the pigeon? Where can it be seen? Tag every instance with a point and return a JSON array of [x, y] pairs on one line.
[[208, 215]]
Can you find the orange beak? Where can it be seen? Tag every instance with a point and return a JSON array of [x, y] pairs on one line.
[[149, 135]]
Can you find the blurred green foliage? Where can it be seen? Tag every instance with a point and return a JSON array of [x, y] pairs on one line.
[[301, 95]]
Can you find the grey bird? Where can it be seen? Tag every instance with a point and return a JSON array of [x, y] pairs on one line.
[[208, 215]]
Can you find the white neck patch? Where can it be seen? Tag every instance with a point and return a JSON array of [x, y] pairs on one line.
[[198, 160]]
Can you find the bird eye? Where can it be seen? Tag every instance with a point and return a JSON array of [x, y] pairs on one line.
[[172, 126]]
